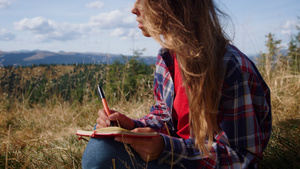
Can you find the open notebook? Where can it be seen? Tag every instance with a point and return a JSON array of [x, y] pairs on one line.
[[112, 132]]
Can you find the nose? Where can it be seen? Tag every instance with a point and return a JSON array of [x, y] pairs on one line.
[[134, 9]]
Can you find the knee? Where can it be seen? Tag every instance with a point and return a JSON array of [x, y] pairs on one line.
[[99, 153]]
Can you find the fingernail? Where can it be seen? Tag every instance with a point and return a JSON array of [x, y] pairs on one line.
[[108, 122]]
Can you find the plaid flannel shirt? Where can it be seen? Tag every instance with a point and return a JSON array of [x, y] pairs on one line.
[[244, 115]]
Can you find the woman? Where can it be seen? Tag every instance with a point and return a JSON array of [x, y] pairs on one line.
[[212, 105]]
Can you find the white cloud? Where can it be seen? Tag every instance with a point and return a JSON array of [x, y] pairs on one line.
[[289, 27], [286, 32], [132, 33], [5, 3], [120, 23], [118, 32], [96, 5], [126, 34], [289, 24], [36, 25], [6, 36], [48, 30], [114, 19]]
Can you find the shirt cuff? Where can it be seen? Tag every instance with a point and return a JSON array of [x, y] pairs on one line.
[[173, 152], [138, 123]]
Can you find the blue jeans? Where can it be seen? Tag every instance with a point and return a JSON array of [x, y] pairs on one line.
[[100, 153]]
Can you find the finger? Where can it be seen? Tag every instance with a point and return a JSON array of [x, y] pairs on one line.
[[143, 130], [116, 116], [103, 119], [102, 122], [105, 116], [102, 113], [124, 121], [98, 126]]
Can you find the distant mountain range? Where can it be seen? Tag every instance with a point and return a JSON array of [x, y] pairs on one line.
[[37, 57]]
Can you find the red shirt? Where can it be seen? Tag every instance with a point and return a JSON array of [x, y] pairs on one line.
[[181, 105]]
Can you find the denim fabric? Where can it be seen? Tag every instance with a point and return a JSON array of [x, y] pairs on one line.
[[100, 152]]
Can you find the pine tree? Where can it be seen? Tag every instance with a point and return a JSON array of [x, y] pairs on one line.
[[294, 51], [267, 62]]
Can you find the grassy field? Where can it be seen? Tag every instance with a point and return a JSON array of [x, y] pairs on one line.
[[40, 133]]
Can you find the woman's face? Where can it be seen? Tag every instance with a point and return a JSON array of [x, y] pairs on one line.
[[138, 11]]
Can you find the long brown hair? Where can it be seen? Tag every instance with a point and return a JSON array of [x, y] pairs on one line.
[[191, 29]]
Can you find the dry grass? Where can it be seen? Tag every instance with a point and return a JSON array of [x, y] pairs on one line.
[[283, 150], [285, 96], [42, 136], [38, 135]]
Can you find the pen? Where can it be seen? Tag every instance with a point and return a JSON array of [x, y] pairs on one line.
[[102, 97]]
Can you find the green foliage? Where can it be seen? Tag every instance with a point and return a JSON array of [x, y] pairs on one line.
[[294, 51], [39, 84], [274, 60], [267, 62], [125, 81]]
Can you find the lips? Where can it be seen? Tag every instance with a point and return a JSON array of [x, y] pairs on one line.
[[140, 25]]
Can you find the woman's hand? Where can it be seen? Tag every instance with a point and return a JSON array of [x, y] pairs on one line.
[[149, 148], [104, 120]]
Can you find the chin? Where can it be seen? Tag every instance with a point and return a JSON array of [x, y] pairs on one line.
[[145, 33]]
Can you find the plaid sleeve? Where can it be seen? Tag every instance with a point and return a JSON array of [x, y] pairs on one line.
[[161, 114], [182, 152]]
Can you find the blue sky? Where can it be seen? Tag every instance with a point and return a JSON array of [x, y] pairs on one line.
[[107, 26]]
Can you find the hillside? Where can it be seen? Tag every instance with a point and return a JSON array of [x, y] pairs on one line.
[[27, 58]]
